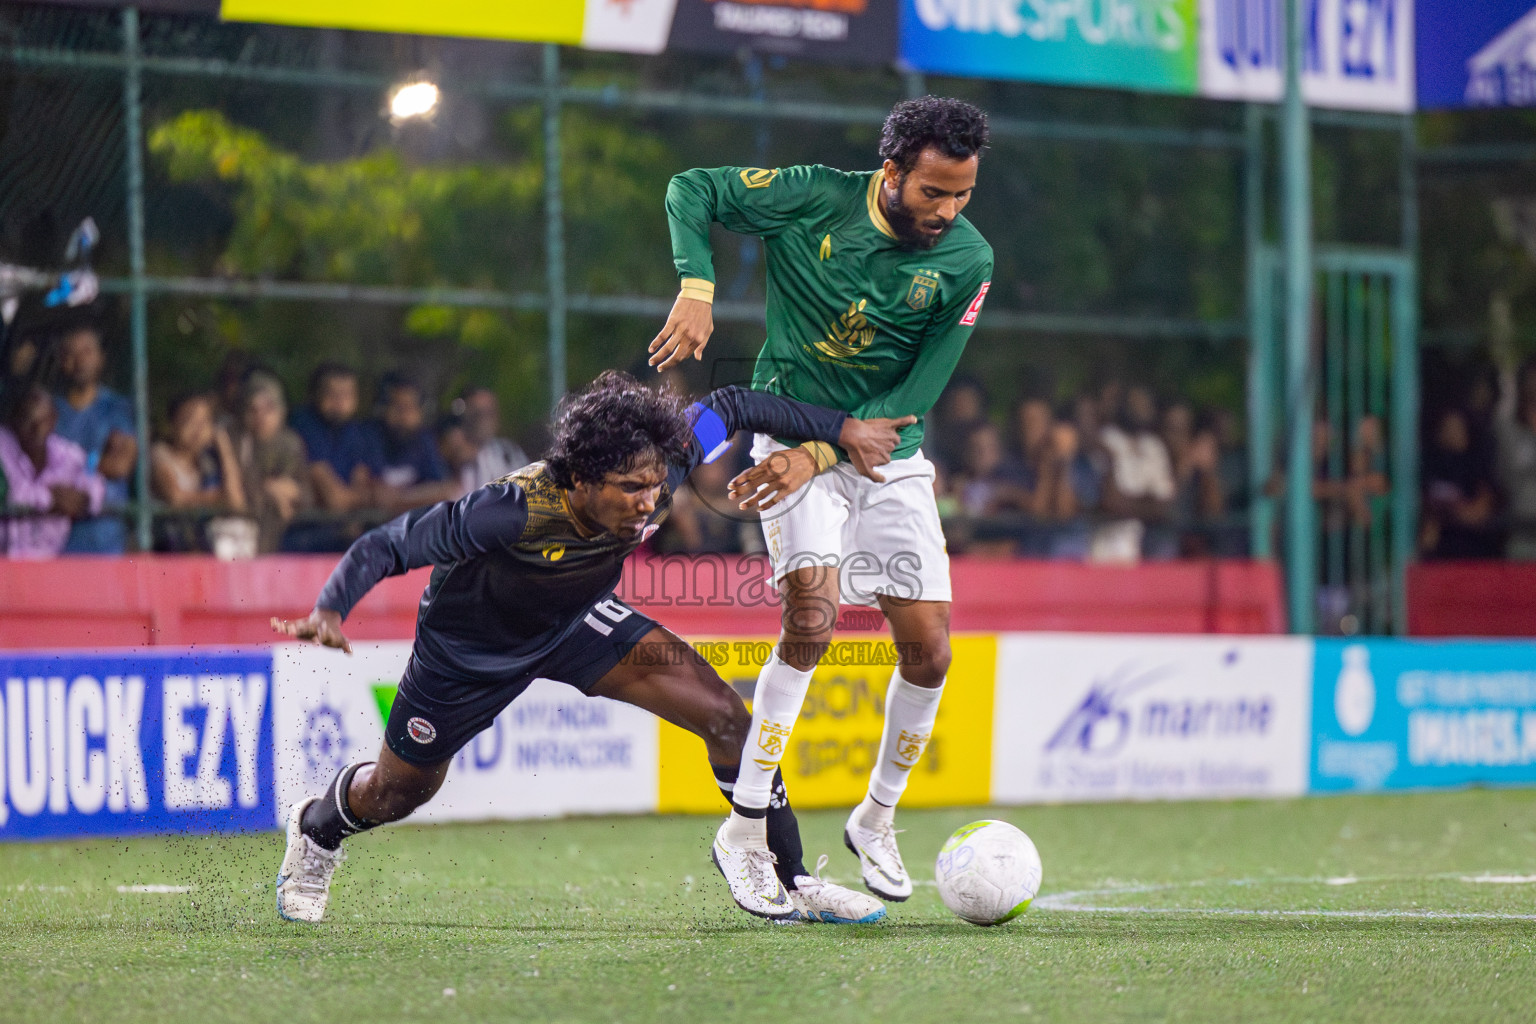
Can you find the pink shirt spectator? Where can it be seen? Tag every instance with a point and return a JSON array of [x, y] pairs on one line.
[[43, 536]]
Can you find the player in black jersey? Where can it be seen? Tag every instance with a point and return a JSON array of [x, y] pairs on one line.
[[522, 587]]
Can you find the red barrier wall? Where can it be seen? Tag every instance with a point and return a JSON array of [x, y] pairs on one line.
[[1472, 599], [184, 599]]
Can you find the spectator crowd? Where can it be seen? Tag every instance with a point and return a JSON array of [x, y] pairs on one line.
[[233, 470], [1115, 474]]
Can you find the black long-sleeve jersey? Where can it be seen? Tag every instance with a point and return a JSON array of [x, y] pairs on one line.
[[514, 571]]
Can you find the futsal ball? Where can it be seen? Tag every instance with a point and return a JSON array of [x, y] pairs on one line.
[[988, 872]]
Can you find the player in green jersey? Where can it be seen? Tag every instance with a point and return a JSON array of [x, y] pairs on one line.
[[875, 281]]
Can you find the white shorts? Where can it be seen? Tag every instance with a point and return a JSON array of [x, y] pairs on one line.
[[883, 538]]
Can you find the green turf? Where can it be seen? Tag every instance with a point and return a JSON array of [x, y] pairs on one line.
[[623, 919]]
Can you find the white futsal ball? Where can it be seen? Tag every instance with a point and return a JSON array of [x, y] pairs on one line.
[[988, 872]]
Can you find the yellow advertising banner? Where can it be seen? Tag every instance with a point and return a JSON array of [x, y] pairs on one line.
[[546, 21], [829, 756]]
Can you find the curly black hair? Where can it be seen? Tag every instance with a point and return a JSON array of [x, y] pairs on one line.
[[953, 127], [612, 425]]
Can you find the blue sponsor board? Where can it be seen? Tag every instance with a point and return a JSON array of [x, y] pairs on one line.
[[135, 742], [1402, 714], [1479, 54]]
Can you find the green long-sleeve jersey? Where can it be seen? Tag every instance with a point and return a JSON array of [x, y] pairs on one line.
[[856, 320]]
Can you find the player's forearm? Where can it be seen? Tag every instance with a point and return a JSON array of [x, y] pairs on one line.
[[690, 211], [370, 558], [764, 413]]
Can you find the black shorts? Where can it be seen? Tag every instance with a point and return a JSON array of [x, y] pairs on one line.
[[434, 716]]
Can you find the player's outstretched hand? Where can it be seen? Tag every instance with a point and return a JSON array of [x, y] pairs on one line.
[[769, 482], [323, 627], [869, 443], [686, 333]]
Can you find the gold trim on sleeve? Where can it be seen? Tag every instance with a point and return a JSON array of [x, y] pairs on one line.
[[824, 454], [697, 288]]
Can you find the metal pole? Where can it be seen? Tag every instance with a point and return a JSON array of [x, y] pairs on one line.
[[138, 319], [1261, 345], [1296, 173], [554, 225], [1405, 390]]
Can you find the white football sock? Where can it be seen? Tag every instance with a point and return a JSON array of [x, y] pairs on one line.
[[909, 714], [781, 689], [747, 833]]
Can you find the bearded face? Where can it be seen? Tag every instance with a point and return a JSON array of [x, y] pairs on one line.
[[922, 203]]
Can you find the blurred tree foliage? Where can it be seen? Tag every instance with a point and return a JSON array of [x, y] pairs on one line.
[[378, 219]]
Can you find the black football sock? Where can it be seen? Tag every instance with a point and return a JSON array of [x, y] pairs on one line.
[[783, 828], [329, 820]]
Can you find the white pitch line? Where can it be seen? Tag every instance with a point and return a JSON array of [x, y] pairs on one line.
[[1071, 902], [160, 890]]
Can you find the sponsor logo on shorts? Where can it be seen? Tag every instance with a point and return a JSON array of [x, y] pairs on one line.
[[421, 730]]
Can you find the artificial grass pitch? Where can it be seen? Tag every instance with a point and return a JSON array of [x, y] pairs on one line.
[[1386, 908]]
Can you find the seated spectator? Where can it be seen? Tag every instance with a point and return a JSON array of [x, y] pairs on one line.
[[1197, 502], [457, 451], [1460, 501], [344, 457], [100, 421], [1139, 488], [1517, 466], [229, 389], [985, 481], [962, 405], [274, 471], [496, 456], [194, 468], [1091, 463], [46, 475], [411, 473]]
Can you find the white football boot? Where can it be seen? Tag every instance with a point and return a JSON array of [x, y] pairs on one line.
[[817, 900], [749, 873], [879, 859], [304, 880]]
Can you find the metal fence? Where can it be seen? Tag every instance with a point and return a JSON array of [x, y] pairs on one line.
[[112, 82]]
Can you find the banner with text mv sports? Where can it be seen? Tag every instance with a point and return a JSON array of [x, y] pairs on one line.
[[1131, 44], [1359, 53], [634, 26], [133, 741]]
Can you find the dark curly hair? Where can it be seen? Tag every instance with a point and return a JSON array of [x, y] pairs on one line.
[[612, 425], [953, 127]]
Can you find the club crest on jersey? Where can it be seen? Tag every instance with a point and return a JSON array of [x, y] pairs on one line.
[[553, 552], [757, 177], [925, 285], [421, 730], [849, 334]]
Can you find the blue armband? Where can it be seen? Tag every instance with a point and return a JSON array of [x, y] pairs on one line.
[[709, 431]]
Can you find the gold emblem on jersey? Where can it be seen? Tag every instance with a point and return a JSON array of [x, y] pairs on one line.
[[925, 285], [553, 552], [756, 177], [850, 334], [826, 248]]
